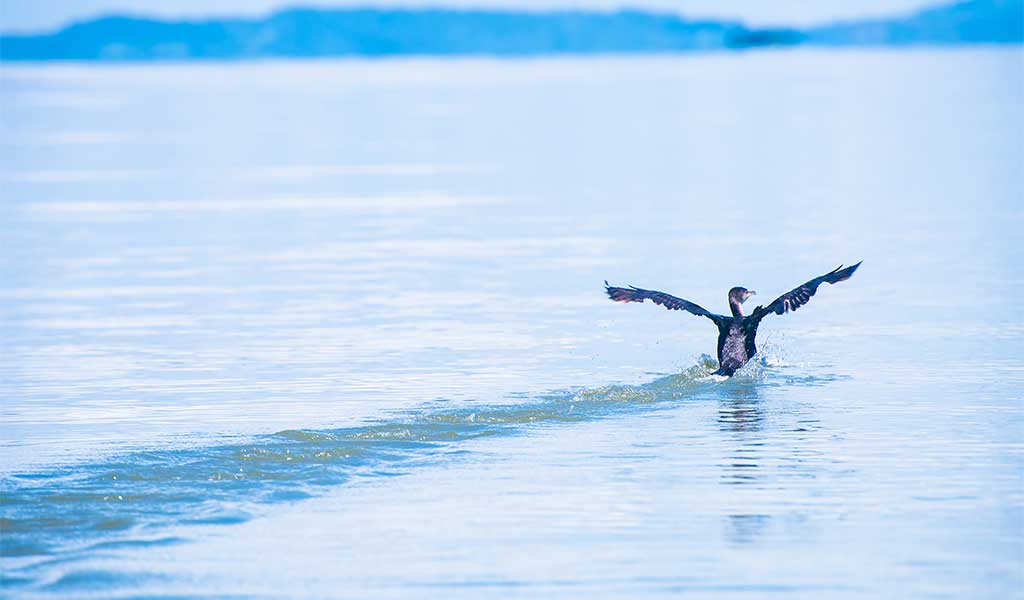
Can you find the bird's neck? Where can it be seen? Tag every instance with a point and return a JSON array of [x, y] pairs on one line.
[[736, 307]]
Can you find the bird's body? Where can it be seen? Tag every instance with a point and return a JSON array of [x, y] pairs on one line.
[[735, 344], [736, 333]]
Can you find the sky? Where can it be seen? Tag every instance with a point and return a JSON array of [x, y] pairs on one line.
[[39, 15]]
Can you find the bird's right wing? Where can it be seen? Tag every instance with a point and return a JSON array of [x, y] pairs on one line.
[[797, 297], [635, 294]]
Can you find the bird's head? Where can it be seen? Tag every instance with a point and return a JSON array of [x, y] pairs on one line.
[[739, 295]]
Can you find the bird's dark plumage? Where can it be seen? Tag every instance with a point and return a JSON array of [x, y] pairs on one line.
[[796, 298], [635, 294], [736, 333]]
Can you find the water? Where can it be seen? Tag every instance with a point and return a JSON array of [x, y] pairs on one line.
[[337, 328]]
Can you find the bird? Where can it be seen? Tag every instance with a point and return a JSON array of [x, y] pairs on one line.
[[736, 333]]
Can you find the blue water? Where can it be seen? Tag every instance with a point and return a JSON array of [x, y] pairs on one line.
[[322, 329]]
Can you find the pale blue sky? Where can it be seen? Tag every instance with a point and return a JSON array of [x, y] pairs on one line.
[[30, 15]]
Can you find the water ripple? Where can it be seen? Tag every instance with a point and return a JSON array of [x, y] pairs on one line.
[[124, 500]]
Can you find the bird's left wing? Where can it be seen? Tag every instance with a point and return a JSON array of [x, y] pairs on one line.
[[796, 298], [635, 294]]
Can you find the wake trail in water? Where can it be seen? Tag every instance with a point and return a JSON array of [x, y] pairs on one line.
[[73, 512]]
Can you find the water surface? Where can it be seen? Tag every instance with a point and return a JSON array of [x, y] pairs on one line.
[[337, 328]]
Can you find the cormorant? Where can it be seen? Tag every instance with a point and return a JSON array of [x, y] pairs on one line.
[[736, 333]]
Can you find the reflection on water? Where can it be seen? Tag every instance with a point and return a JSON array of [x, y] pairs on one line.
[[739, 411], [742, 418], [740, 415], [744, 529]]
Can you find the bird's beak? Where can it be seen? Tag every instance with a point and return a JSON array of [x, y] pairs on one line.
[[751, 293]]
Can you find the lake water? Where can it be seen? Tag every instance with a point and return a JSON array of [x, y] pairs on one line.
[[337, 329]]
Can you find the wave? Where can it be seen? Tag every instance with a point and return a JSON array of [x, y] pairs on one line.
[[73, 512]]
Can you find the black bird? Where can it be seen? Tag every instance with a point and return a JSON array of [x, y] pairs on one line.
[[736, 333]]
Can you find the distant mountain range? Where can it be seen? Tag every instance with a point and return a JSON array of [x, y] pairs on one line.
[[304, 33], [972, 22]]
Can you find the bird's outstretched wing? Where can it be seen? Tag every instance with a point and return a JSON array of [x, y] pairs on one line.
[[796, 298], [635, 294]]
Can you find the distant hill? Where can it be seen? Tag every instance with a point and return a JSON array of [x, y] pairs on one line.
[[378, 32], [303, 33], [975, 21]]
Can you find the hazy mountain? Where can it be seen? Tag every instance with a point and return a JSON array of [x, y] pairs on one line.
[[975, 21], [384, 32], [378, 32]]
